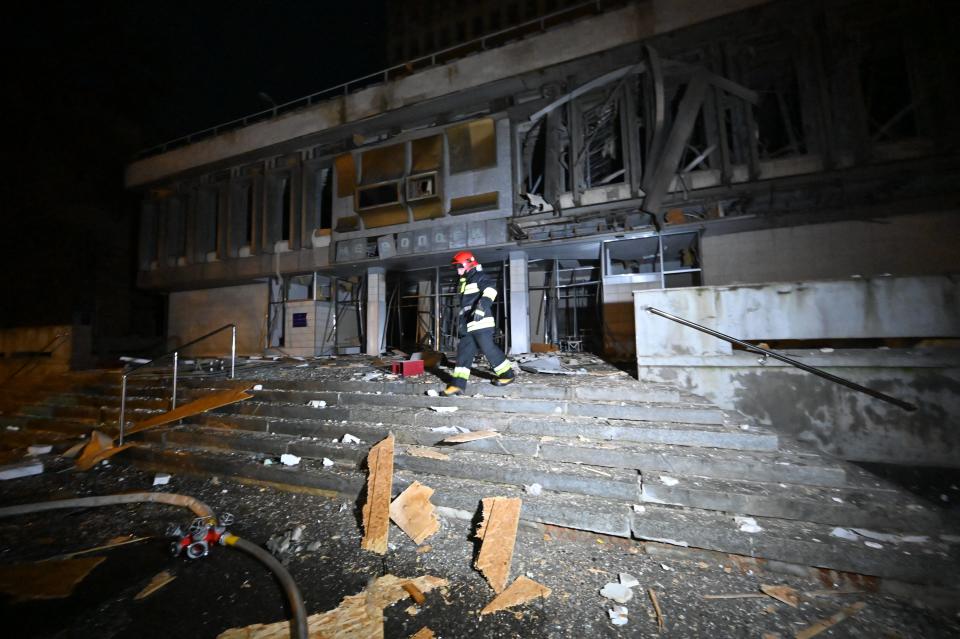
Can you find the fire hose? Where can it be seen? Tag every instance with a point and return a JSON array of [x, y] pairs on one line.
[[298, 626]]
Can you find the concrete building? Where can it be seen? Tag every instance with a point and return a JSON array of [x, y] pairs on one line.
[[655, 145]]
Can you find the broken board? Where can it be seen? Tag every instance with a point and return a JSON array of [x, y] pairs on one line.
[[520, 592], [53, 579], [414, 514], [376, 510], [202, 405], [359, 616], [498, 534], [99, 447]]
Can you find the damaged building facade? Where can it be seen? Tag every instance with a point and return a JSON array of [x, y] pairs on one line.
[[722, 161]]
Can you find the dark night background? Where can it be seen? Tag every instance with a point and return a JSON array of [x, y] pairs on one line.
[[88, 85]]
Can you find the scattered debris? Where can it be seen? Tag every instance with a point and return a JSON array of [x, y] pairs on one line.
[[892, 539], [290, 460], [99, 448], [327, 462], [359, 615], [202, 405], [786, 594], [22, 469], [257, 387], [747, 524], [422, 451], [618, 615], [445, 409], [656, 607], [547, 365], [665, 567], [414, 593], [161, 479], [317, 403], [669, 481], [414, 514], [533, 489], [617, 592], [818, 627], [471, 436], [628, 580], [423, 633], [51, 579], [639, 509], [39, 449], [497, 532], [433, 393], [350, 439], [376, 510], [520, 592], [844, 533], [450, 429], [159, 580]]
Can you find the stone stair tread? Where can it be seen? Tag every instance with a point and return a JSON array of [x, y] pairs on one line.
[[501, 469], [828, 505], [777, 465], [804, 543]]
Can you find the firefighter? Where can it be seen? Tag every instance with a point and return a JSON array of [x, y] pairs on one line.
[[477, 294]]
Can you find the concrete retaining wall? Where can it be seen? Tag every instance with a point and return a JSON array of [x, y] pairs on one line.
[[836, 419]]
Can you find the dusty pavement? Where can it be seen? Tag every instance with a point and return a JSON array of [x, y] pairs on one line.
[[228, 589]]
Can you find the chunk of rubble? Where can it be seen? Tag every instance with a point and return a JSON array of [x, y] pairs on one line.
[[617, 592], [350, 439], [747, 524], [618, 615], [289, 460], [317, 403], [444, 409]]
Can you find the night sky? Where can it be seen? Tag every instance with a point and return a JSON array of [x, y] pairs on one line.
[[87, 85]]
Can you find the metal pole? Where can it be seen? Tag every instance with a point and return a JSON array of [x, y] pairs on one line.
[[123, 405], [176, 360], [436, 308], [233, 349], [783, 358]]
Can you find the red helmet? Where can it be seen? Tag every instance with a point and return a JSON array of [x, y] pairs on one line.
[[464, 260]]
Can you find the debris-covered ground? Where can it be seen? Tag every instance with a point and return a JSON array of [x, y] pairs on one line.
[[318, 538]]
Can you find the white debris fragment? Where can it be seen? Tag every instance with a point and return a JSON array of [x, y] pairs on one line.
[[637, 508], [296, 534], [343, 507], [317, 403], [444, 409], [371, 376], [533, 489], [616, 592], [327, 462], [289, 460], [39, 449], [350, 439], [15, 471], [669, 481], [452, 430], [873, 544], [837, 499], [891, 539], [268, 462], [666, 567], [843, 533], [161, 479], [258, 387], [744, 426], [618, 615], [747, 524], [432, 393], [301, 365], [13, 428], [628, 580]]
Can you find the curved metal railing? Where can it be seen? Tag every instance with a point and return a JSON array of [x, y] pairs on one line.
[[176, 358]]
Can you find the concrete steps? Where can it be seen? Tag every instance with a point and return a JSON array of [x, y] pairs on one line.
[[797, 542], [613, 456]]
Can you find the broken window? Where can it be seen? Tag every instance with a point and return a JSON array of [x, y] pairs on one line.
[[670, 259], [601, 151]]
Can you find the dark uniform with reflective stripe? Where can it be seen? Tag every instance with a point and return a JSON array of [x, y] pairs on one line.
[[477, 294]]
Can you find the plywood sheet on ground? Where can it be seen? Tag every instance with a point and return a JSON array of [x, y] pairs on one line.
[[414, 514], [498, 534], [423, 633], [202, 405], [46, 579], [99, 447], [520, 592], [359, 616], [376, 510], [429, 453]]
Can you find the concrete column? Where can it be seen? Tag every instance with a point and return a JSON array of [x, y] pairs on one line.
[[519, 303], [376, 309]]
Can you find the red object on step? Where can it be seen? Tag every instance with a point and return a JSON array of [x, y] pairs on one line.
[[408, 368]]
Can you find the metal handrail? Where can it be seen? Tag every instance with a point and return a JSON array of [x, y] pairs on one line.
[[783, 358], [176, 359], [345, 88]]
